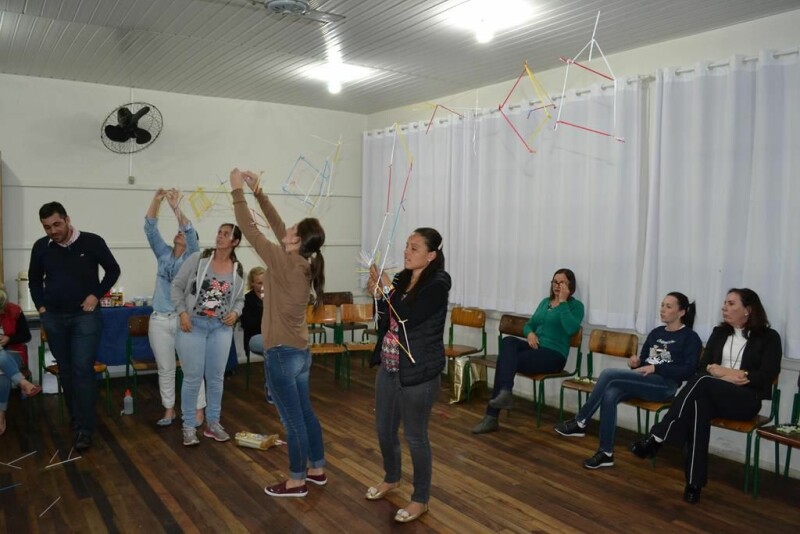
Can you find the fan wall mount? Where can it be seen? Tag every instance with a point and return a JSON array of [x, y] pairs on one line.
[[131, 128]]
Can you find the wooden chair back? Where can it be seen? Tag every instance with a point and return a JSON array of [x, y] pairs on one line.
[[325, 314], [576, 340], [337, 298], [613, 343], [138, 325], [357, 313], [470, 317], [512, 325]]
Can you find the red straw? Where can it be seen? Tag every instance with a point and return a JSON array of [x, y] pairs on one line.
[[621, 140], [573, 62], [532, 151]]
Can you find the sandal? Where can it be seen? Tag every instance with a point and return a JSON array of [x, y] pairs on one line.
[[165, 421], [402, 515], [374, 494]]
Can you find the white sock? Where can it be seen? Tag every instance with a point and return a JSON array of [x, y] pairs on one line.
[[581, 424], [658, 440]]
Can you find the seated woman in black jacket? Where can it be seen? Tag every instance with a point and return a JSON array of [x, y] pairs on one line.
[[741, 361], [410, 351], [253, 310]]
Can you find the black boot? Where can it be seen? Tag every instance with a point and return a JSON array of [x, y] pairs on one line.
[[691, 493], [646, 447]]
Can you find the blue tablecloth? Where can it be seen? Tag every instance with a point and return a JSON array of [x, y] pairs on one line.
[[115, 332]]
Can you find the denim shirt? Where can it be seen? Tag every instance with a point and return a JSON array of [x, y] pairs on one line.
[[168, 265]]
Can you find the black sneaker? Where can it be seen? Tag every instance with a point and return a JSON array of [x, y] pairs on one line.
[[570, 428], [600, 459], [83, 441]]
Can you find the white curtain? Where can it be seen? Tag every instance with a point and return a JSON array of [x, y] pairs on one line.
[[510, 218], [724, 191]]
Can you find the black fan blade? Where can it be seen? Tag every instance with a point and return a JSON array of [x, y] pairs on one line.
[[139, 114], [117, 134], [124, 116], [142, 136]]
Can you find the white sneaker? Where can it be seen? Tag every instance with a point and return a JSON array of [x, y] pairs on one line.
[[215, 431], [190, 437]]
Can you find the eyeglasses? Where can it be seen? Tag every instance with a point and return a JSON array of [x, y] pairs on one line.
[[557, 283]]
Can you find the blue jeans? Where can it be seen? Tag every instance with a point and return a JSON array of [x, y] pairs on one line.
[[287, 377], [516, 356], [412, 405], [73, 340], [617, 385], [203, 353], [9, 364], [256, 346]]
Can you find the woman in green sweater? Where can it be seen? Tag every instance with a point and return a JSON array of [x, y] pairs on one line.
[[544, 350]]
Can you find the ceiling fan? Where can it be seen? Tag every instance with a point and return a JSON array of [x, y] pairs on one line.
[[307, 10]]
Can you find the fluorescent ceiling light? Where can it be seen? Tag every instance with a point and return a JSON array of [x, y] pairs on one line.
[[487, 17], [335, 74]]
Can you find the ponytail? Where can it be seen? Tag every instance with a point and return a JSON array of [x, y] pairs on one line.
[[317, 275], [312, 237]]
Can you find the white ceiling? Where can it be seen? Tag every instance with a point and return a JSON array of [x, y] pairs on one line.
[[230, 48]]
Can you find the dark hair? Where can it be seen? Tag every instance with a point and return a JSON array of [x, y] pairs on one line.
[[433, 242], [688, 307], [757, 321], [571, 283], [312, 237], [50, 209], [237, 235]]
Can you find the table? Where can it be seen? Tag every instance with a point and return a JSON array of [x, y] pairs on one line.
[[111, 350]]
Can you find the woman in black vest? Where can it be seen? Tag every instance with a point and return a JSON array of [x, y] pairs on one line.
[[410, 351], [741, 361]]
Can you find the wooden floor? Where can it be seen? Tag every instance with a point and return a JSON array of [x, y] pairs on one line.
[[140, 478]]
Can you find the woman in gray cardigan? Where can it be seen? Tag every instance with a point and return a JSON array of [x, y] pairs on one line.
[[208, 294]]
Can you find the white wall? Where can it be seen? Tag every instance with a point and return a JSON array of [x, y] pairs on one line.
[[51, 150]]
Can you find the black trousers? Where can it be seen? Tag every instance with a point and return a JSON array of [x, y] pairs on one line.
[[688, 420]]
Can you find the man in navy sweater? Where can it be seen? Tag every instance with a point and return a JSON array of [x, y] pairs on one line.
[[66, 289]]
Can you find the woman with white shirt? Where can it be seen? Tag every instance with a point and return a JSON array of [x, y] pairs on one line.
[[741, 361], [163, 324]]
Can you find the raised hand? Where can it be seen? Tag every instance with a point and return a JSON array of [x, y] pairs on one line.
[[252, 180], [173, 198], [236, 178]]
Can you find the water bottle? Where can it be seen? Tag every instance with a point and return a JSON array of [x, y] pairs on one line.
[[127, 403]]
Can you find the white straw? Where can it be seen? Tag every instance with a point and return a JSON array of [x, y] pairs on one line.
[[54, 503], [65, 461], [22, 457]]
